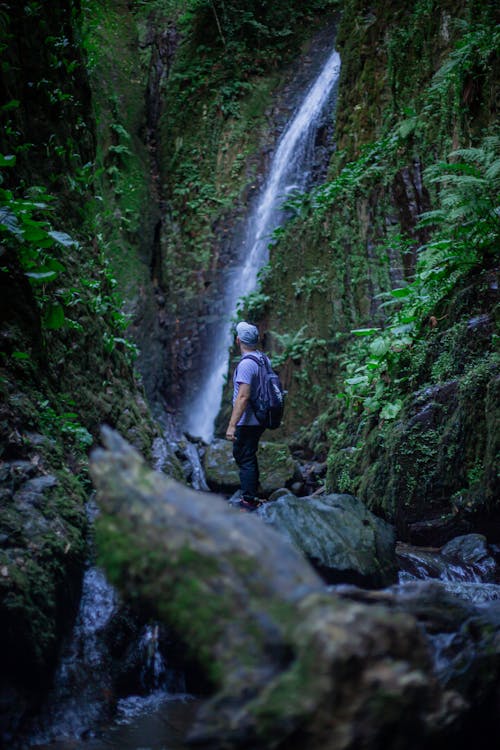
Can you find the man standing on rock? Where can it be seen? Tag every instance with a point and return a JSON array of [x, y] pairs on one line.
[[243, 428]]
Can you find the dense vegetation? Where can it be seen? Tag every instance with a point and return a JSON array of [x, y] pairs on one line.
[[65, 365], [389, 303], [133, 137]]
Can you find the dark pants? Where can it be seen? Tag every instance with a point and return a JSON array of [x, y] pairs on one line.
[[245, 454]]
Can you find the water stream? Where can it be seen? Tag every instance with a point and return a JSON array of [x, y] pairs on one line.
[[289, 170], [85, 707]]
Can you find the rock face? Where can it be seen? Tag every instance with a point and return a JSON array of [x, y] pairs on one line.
[[42, 551], [277, 467], [339, 535], [290, 665]]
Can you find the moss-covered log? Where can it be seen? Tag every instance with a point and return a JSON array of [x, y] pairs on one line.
[[289, 665]]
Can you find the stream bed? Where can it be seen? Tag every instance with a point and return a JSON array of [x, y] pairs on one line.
[[79, 713]]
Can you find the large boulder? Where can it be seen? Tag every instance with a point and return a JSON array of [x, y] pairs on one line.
[[277, 467], [342, 538], [288, 662]]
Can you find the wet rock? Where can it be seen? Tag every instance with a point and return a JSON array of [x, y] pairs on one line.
[[344, 540], [436, 531], [471, 551], [285, 659], [220, 468], [464, 638], [277, 467], [282, 492]]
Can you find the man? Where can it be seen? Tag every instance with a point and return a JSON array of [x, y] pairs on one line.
[[243, 428]]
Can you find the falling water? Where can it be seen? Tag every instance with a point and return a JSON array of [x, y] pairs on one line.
[[81, 685], [289, 170]]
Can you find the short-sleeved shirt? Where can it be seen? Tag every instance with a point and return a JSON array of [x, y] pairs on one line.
[[247, 371]]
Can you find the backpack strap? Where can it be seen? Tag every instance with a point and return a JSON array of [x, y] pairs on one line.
[[259, 360]]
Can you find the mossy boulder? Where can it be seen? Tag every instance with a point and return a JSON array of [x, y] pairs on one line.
[[277, 467], [341, 537]]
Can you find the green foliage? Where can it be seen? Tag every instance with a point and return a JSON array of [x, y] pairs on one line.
[[371, 163], [316, 281], [466, 230], [295, 345], [25, 228], [253, 305], [64, 426]]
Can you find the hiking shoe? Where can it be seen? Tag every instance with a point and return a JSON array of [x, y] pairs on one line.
[[249, 504]]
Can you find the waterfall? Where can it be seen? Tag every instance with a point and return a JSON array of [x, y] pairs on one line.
[[82, 687], [289, 171]]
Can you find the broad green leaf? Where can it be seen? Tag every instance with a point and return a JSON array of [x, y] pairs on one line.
[[21, 355], [54, 265], [34, 233], [8, 220], [379, 347], [54, 317], [7, 161], [13, 104], [63, 239], [357, 380], [365, 331], [42, 276], [391, 411], [403, 291]]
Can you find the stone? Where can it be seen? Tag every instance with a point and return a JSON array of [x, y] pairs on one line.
[[343, 539], [220, 468], [277, 467], [471, 551], [278, 493]]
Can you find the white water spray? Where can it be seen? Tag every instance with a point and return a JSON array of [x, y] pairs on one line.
[[289, 170]]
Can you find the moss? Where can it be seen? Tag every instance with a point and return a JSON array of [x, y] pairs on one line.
[[123, 213], [178, 581]]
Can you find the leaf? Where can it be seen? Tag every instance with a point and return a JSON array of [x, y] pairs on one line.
[[391, 411], [54, 317], [357, 380], [403, 291], [9, 220], [34, 233], [379, 347], [41, 275], [13, 104], [21, 355], [407, 126], [7, 161], [364, 331], [120, 149], [63, 239]]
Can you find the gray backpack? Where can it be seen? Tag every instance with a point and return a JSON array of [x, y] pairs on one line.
[[269, 404]]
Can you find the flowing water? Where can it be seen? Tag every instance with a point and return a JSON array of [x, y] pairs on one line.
[[82, 703], [82, 682], [289, 170], [84, 709]]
